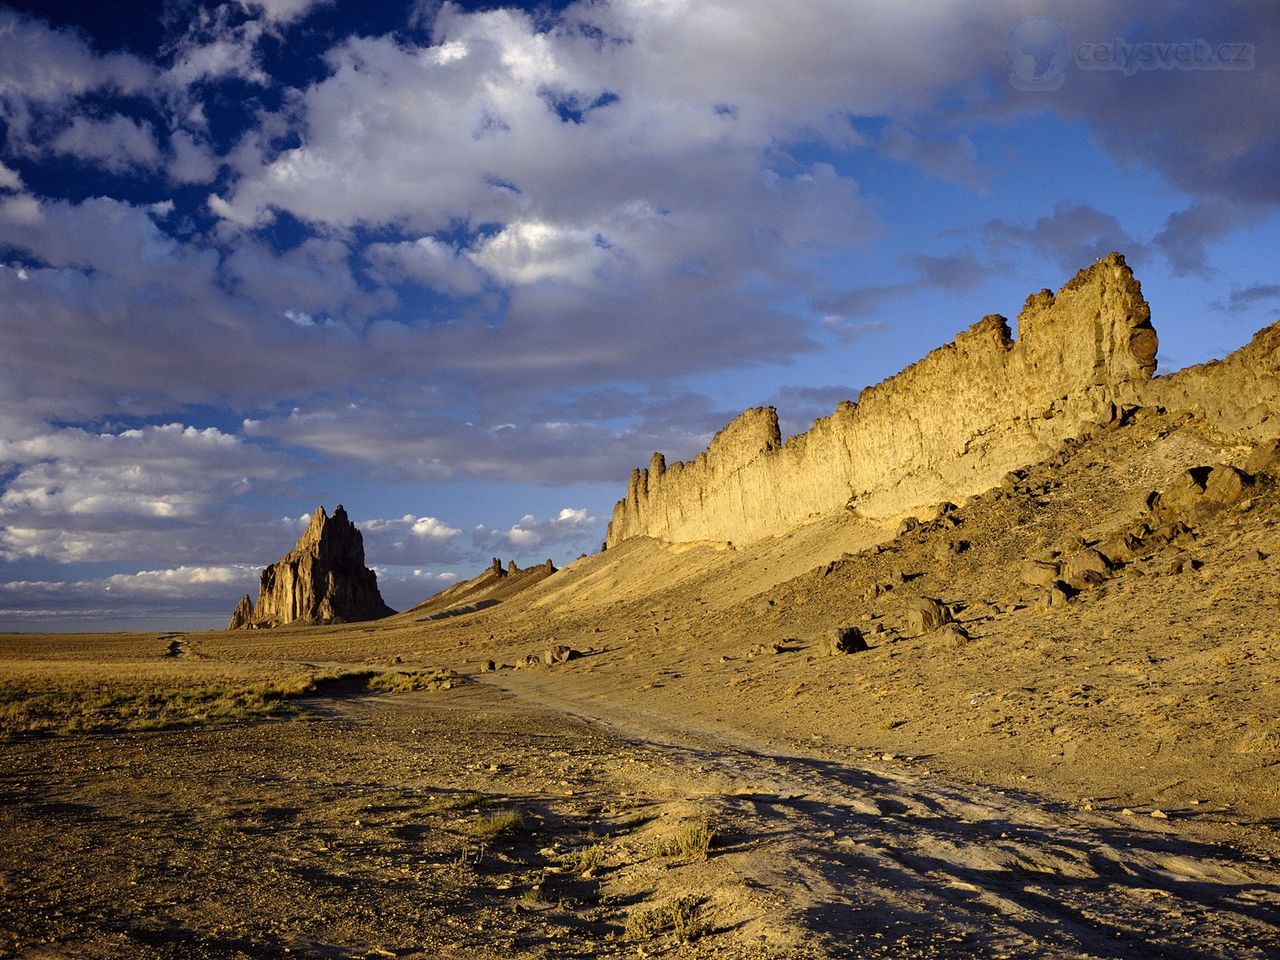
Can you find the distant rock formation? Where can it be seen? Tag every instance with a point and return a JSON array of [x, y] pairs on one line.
[[322, 580], [494, 585]]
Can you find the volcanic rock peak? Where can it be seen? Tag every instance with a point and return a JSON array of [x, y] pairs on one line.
[[322, 580]]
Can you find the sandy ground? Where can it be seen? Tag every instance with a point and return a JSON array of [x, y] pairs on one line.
[[355, 831], [1091, 779]]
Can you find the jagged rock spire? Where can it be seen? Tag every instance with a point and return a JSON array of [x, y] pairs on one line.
[[322, 580]]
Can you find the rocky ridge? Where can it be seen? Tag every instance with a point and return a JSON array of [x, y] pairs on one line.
[[494, 585], [948, 426], [322, 580]]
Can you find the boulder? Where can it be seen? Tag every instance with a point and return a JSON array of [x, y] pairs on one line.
[[953, 636], [843, 640], [1265, 459], [1122, 547], [1087, 565], [322, 580], [559, 654], [907, 525], [925, 614], [1039, 573], [1201, 492], [1057, 595], [1228, 485]]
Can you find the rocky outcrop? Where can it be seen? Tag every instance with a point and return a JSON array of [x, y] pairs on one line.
[[242, 616], [950, 425], [495, 585], [322, 580], [1237, 398]]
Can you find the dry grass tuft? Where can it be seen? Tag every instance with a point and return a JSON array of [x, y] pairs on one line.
[[589, 859], [455, 801], [407, 681], [690, 841], [87, 697], [678, 916], [496, 823], [127, 707]]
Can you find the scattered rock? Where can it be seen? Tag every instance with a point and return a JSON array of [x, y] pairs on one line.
[[1011, 480], [559, 654], [1121, 548], [877, 588], [981, 610], [907, 526], [953, 635], [925, 614], [1184, 564], [1084, 562], [843, 640], [950, 548], [1200, 492], [1058, 594], [1039, 573], [1265, 459], [1167, 534]]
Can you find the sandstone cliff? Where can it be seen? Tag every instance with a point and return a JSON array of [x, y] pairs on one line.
[[950, 425], [322, 580]]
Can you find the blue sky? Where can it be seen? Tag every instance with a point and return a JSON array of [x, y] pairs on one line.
[[462, 266]]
